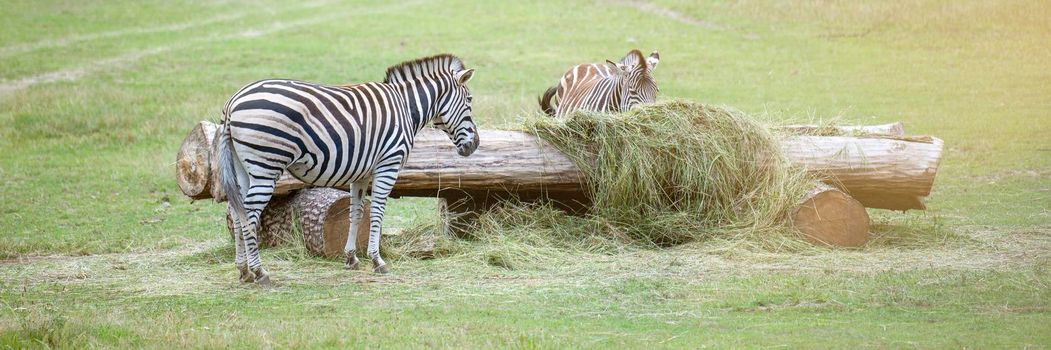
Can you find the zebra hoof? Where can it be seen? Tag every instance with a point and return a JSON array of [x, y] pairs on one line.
[[352, 263], [246, 275], [261, 277], [263, 281], [382, 270]]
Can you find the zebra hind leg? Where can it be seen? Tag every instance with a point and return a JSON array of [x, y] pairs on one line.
[[255, 264], [239, 259], [256, 199]]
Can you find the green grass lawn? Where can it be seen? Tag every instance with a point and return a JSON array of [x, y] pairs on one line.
[[96, 96]]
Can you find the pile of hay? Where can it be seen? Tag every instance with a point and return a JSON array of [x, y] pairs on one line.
[[678, 171], [659, 175]]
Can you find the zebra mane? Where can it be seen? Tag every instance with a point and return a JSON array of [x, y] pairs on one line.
[[427, 66]]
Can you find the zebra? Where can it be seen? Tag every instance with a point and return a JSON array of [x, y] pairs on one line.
[[608, 87], [333, 136]]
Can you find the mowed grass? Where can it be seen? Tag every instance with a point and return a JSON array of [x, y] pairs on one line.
[[102, 249]]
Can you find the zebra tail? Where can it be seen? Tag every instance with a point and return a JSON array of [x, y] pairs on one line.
[[545, 101], [228, 174]]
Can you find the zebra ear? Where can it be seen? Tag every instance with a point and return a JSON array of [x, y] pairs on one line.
[[632, 58], [618, 65], [464, 76], [653, 60]]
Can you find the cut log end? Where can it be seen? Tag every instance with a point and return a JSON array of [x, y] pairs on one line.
[[828, 216], [193, 163], [324, 216], [336, 227]]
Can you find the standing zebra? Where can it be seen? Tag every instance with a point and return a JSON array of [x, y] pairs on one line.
[[334, 136], [607, 87]]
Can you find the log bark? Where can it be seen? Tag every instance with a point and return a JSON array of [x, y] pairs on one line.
[[828, 216], [275, 224], [193, 164], [216, 189], [886, 172]]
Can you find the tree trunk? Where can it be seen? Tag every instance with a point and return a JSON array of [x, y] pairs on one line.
[[884, 172], [826, 215]]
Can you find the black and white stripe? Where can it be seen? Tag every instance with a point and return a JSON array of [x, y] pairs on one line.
[[336, 136], [607, 87]]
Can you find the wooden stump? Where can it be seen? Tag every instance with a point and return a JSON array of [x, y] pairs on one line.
[[193, 164], [829, 216], [325, 221], [323, 218]]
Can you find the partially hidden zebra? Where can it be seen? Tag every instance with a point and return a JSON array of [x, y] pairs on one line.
[[334, 136], [604, 87]]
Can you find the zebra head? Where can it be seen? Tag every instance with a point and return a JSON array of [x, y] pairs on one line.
[[637, 70], [455, 117]]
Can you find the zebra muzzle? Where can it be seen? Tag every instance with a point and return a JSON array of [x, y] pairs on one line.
[[469, 147]]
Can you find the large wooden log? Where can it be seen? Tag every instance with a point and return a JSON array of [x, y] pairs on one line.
[[507, 161], [886, 172], [880, 172]]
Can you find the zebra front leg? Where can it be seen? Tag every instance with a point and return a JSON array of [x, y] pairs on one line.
[[239, 259], [357, 194], [382, 184]]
